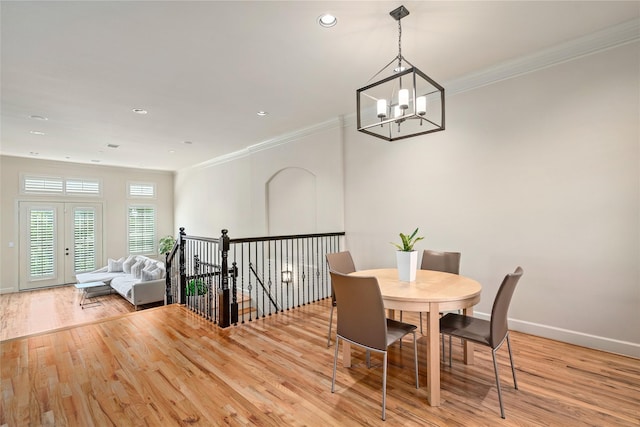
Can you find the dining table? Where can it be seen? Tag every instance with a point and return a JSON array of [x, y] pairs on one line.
[[432, 292]]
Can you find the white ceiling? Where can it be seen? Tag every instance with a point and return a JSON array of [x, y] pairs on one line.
[[203, 69]]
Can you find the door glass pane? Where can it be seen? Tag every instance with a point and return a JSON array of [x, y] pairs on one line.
[[41, 244], [84, 233]]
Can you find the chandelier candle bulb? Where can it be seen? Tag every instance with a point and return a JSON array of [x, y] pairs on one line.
[[403, 98], [421, 105], [382, 108]]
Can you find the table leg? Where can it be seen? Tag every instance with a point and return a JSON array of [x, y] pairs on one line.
[[468, 346], [433, 355]]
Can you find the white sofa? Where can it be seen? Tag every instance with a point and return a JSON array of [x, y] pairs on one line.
[[138, 279]]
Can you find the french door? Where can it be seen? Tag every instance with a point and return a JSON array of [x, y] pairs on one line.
[[58, 240]]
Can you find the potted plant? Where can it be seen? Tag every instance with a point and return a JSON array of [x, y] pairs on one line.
[[196, 287], [165, 244], [407, 257]]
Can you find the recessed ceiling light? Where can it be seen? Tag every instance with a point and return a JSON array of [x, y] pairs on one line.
[[262, 113], [187, 142], [35, 117], [172, 151], [113, 145], [139, 111], [327, 20], [36, 132]]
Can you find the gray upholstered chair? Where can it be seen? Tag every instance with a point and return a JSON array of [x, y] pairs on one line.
[[342, 262], [484, 332], [362, 321]]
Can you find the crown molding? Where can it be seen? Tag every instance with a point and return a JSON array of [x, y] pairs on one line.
[[271, 143], [618, 35]]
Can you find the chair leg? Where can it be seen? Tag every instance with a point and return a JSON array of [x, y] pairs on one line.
[[421, 333], [442, 335], [335, 365], [495, 368], [513, 369], [384, 386], [415, 357], [330, 322], [450, 339]]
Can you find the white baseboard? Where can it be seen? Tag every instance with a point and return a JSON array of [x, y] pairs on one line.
[[572, 337]]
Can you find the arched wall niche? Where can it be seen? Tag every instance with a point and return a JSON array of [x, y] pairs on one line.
[[291, 202]]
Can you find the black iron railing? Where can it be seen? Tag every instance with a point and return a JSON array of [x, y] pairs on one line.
[[231, 281]]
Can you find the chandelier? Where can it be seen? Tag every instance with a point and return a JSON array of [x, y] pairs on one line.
[[404, 104]]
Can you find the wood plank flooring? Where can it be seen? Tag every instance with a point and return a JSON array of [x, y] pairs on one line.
[[167, 367], [25, 313]]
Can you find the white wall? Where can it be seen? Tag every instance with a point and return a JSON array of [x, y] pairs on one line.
[[233, 194], [540, 171], [114, 180]]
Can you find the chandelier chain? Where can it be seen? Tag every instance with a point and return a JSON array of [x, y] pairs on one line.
[[399, 43]]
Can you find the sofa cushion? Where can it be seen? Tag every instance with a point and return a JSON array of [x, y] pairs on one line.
[[114, 266], [101, 275], [136, 269], [126, 265], [152, 274], [123, 285]]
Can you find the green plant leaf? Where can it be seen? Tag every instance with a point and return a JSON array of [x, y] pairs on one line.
[[408, 241]]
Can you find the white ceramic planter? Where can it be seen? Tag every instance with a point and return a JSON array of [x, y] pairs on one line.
[[407, 265]]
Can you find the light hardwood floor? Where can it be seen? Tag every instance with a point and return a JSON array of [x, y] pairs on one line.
[[165, 366]]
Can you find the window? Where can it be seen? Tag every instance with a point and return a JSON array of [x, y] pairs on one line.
[[82, 186], [42, 185], [142, 190], [31, 184], [142, 229]]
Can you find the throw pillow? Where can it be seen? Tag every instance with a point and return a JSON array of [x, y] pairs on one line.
[[115, 266], [149, 275], [136, 269], [128, 263]]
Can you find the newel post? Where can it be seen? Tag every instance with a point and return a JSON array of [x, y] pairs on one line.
[[224, 300], [183, 274]]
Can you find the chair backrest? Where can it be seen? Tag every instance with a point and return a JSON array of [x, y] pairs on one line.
[[341, 262], [448, 262], [361, 315], [499, 324]]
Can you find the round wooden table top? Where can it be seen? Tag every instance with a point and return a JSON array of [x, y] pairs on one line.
[[450, 291]]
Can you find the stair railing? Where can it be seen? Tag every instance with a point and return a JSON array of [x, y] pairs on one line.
[[270, 274]]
